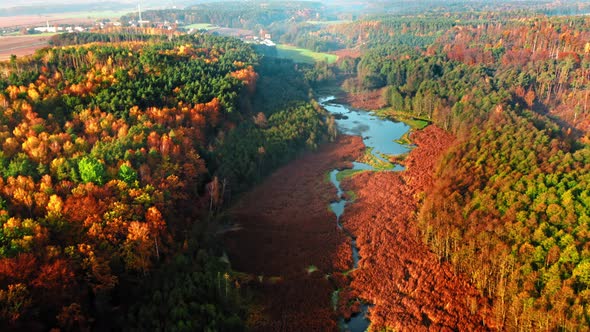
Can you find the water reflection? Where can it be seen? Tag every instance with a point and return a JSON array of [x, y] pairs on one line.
[[380, 135]]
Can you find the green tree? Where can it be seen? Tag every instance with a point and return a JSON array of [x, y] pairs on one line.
[[127, 174], [20, 165], [91, 170], [582, 273]]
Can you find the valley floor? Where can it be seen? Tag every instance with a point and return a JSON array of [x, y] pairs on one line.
[[286, 231], [287, 234]]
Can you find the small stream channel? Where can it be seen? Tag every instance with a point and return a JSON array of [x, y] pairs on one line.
[[379, 135]]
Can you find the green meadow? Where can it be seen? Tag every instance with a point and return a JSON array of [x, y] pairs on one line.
[[303, 55]]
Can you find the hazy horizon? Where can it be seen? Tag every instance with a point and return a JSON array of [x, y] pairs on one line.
[[5, 4], [10, 4]]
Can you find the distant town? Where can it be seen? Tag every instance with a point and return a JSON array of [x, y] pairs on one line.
[[248, 36]]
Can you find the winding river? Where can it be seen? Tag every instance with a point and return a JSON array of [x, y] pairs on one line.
[[379, 136]]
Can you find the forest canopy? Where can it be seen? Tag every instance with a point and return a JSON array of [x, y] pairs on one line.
[[116, 153], [120, 150]]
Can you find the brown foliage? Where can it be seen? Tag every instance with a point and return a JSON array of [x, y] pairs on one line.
[[17, 269], [409, 287], [284, 227]]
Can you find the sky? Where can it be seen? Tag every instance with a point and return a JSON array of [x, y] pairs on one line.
[[15, 3], [30, 3]]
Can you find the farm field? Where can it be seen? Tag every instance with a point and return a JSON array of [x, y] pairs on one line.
[[37, 20], [22, 45], [304, 55], [201, 26]]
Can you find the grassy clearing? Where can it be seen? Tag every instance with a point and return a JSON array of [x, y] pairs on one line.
[[351, 195], [43, 34], [201, 26], [404, 140], [346, 173], [379, 165], [414, 122], [327, 177], [303, 55]]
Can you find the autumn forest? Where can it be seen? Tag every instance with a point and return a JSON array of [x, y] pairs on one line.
[[178, 179]]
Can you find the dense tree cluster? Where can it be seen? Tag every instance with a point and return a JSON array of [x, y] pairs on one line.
[[250, 15], [366, 34], [540, 63], [544, 61], [121, 35], [449, 93], [511, 210], [510, 205], [111, 153]]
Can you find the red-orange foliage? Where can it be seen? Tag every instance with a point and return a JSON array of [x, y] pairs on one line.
[[248, 76], [17, 269], [552, 52], [87, 205], [56, 277], [407, 284]]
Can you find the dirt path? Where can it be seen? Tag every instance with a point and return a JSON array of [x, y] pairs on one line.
[[408, 286]]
